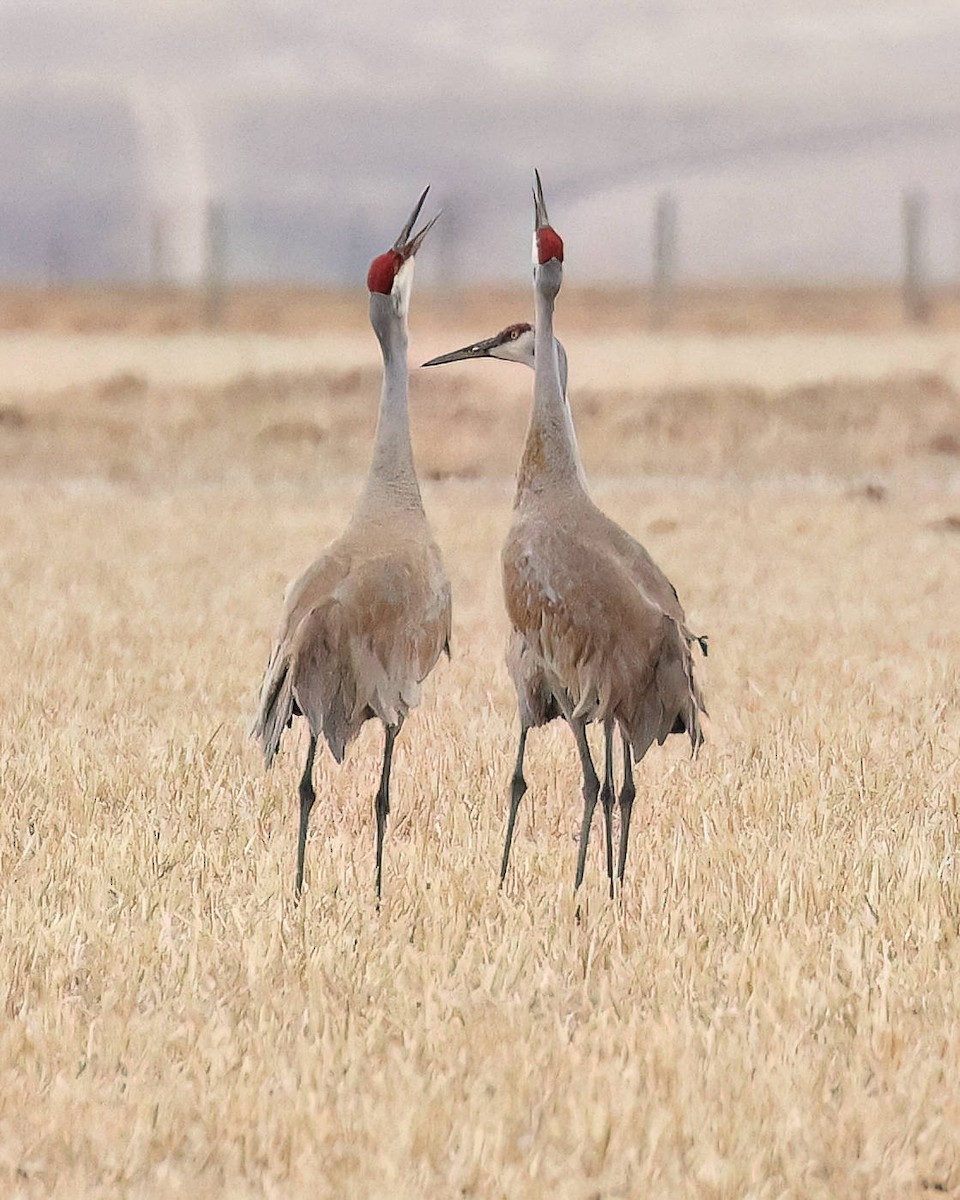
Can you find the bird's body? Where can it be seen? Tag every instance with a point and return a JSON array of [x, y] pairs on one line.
[[609, 648], [365, 624], [361, 629], [598, 631], [516, 343]]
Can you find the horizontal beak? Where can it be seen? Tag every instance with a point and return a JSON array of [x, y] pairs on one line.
[[475, 350], [539, 205], [406, 245]]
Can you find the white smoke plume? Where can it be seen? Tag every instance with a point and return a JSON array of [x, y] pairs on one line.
[[175, 183]]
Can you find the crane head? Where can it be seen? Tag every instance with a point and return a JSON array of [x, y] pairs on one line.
[[513, 344], [391, 274], [547, 243]]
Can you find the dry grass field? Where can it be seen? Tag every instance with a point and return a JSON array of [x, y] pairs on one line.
[[772, 1009]]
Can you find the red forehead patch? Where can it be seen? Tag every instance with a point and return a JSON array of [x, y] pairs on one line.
[[512, 332], [383, 271], [549, 245]]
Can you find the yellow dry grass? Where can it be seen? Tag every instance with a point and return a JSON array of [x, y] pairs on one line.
[[772, 1010]]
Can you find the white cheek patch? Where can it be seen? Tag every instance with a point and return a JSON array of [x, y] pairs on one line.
[[535, 253], [402, 286]]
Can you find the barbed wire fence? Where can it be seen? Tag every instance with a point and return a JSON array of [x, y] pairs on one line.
[[72, 244]]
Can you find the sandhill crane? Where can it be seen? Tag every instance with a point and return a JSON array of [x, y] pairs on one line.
[[599, 632], [366, 623], [536, 704]]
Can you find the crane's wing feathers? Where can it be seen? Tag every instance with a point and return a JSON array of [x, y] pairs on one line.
[[637, 561], [607, 646], [535, 698], [362, 628]]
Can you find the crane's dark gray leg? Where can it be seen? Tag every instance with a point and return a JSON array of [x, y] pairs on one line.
[[626, 805], [606, 797], [591, 789], [518, 786], [382, 803], [307, 798]]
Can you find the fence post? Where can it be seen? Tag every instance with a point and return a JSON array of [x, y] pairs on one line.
[[664, 260], [916, 298], [158, 250], [215, 266], [57, 257]]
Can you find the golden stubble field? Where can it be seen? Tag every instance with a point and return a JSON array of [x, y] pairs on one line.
[[772, 1009]]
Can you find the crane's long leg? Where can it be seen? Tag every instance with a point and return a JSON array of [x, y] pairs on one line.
[[307, 798], [591, 789], [518, 786], [606, 797], [626, 805], [382, 803]]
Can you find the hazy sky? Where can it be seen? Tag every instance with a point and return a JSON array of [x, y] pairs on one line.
[[787, 129]]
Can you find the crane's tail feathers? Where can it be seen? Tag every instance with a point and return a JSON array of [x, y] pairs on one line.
[[674, 703], [346, 679], [276, 707], [336, 676], [692, 703], [327, 685]]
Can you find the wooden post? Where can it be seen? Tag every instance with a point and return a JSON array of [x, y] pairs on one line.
[[215, 266], [916, 298], [664, 260], [158, 250], [57, 257]]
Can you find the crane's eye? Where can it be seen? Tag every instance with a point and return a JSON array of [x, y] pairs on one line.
[[514, 334]]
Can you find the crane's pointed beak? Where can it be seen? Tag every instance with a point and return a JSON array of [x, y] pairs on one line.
[[415, 242], [539, 204], [408, 243], [474, 350], [411, 221]]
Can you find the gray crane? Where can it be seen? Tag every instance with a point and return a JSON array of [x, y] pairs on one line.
[[551, 466], [536, 704], [366, 623]]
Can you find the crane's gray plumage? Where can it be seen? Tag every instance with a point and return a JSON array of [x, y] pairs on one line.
[[599, 632], [365, 624]]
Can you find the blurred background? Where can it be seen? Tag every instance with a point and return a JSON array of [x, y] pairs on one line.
[[215, 142]]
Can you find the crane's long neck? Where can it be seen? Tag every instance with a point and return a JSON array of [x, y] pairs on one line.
[[571, 431], [550, 454], [392, 478]]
